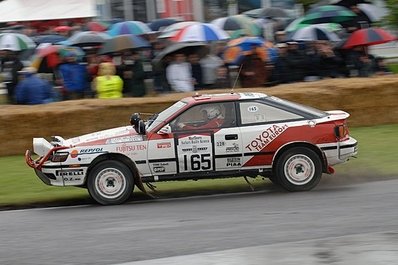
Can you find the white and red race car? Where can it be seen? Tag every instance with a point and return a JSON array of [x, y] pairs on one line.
[[203, 136]]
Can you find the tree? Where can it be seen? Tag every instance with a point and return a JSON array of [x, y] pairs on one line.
[[392, 17]]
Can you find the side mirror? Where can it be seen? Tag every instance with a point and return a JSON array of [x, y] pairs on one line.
[[134, 119], [141, 127], [165, 130]]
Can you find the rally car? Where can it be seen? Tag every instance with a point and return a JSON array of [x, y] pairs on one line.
[[198, 137]]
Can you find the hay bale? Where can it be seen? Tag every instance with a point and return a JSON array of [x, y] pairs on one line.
[[370, 101]]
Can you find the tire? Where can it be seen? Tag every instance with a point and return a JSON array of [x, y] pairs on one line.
[[298, 169], [110, 183]]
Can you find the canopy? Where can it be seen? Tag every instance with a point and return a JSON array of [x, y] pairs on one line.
[[28, 10]]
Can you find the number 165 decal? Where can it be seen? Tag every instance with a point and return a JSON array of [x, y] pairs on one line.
[[197, 162]]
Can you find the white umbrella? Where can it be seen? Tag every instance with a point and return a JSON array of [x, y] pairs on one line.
[[172, 30], [16, 42], [314, 32], [374, 13]]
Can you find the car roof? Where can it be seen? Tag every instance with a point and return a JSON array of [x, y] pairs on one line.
[[221, 97]]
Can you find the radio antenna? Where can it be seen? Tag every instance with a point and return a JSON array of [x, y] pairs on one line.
[[236, 79]]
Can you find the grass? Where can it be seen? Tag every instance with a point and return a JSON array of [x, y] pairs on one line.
[[19, 186], [393, 67]]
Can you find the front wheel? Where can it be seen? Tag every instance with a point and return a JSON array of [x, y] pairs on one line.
[[298, 169], [110, 182]]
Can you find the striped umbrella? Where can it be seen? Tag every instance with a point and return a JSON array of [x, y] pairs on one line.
[[368, 37], [172, 30], [327, 14], [238, 48], [16, 42], [123, 42], [314, 32], [129, 27], [162, 23], [203, 32]]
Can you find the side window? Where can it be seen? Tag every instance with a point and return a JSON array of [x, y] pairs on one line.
[[206, 116], [256, 112]]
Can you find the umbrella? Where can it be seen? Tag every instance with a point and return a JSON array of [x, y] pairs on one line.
[[249, 27], [200, 32], [314, 32], [98, 26], [368, 37], [47, 57], [297, 24], [129, 27], [327, 14], [238, 48], [183, 47], [173, 29], [268, 12], [373, 12], [16, 42], [51, 38], [88, 38], [123, 42], [158, 24]]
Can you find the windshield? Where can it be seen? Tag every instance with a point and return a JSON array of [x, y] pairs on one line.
[[310, 110], [161, 117]]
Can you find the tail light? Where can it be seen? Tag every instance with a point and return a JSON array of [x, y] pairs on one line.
[[341, 131]]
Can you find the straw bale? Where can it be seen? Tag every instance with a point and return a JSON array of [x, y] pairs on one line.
[[370, 101]]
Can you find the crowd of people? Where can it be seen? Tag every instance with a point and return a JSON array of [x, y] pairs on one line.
[[126, 73]]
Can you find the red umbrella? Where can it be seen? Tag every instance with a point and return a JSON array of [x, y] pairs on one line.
[[368, 37], [97, 26]]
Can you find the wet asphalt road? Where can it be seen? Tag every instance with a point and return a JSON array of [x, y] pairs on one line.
[[214, 229]]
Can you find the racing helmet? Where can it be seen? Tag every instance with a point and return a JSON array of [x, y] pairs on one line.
[[212, 111]]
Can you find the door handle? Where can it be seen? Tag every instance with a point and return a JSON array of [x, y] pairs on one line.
[[231, 137]]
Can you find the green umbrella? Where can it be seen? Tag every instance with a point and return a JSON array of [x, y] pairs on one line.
[[328, 14], [298, 24]]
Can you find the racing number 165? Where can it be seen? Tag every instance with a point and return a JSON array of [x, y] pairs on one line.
[[197, 162]]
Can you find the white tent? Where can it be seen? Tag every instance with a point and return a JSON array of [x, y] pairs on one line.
[[33, 10]]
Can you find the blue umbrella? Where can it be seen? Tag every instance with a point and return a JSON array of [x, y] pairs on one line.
[[51, 38], [158, 24]]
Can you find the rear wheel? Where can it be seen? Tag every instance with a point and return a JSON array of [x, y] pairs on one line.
[[298, 169], [110, 182]]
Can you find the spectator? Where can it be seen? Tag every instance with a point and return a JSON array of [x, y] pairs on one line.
[[107, 84], [210, 64], [329, 62], [223, 79], [253, 70], [281, 69], [74, 77], [296, 61], [158, 71], [196, 70], [32, 89], [179, 74], [10, 66], [131, 70]]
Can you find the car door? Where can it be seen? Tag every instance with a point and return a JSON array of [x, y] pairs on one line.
[[208, 140], [263, 129]]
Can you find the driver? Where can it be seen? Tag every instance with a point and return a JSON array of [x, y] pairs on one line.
[[212, 118]]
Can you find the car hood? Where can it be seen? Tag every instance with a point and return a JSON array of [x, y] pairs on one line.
[[110, 136]]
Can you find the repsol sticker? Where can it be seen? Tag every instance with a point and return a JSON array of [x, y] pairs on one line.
[[266, 137], [75, 153]]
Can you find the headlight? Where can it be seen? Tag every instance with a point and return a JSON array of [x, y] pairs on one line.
[[59, 157]]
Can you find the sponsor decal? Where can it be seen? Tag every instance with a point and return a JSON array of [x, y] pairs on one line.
[[234, 162], [125, 139], [266, 137], [69, 172], [232, 149], [74, 153], [159, 169], [195, 140], [252, 109], [130, 148], [194, 149], [164, 145]]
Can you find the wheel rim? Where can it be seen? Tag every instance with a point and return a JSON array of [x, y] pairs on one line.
[[299, 169], [110, 183]]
